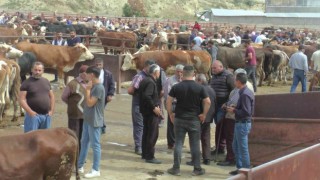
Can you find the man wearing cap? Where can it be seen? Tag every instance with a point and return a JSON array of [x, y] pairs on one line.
[[150, 109], [251, 63], [175, 79], [299, 64], [137, 119], [230, 121], [74, 96]]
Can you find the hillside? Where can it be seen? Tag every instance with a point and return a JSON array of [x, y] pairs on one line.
[[174, 9]]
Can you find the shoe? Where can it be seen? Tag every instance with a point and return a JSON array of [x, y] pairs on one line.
[[220, 151], [206, 161], [174, 171], [54, 81], [138, 152], [198, 172], [233, 173], [190, 163], [226, 163], [170, 147], [92, 174], [81, 170], [153, 161]]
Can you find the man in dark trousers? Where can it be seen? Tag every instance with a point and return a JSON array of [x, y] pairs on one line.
[[243, 114], [106, 79], [205, 126], [223, 83], [137, 120], [150, 109], [251, 63], [188, 118]]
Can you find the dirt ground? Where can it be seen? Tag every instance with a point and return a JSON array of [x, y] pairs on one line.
[[118, 159]]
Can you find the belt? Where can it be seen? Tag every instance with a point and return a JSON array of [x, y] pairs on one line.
[[243, 121], [299, 69]]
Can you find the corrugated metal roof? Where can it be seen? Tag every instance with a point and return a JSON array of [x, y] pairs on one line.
[[236, 12], [239, 12], [298, 15]]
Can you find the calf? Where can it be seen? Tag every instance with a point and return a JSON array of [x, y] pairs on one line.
[[37, 155]]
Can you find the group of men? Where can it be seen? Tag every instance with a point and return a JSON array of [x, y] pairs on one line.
[[86, 97], [193, 104]]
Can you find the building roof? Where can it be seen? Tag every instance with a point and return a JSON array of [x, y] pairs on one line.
[[236, 12], [239, 12]]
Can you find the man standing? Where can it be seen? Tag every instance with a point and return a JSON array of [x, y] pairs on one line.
[[167, 87], [93, 114], [230, 121], [106, 79], [223, 83], [212, 50], [194, 46], [251, 63], [299, 63], [37, 99], [205, 126], [150, 109], [58, 41], [73, 95], [243, 115], [137, 119], [188, 118], [73, 40], [315, 60]]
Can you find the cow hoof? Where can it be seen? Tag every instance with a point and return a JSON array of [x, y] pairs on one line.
[[14, 119]]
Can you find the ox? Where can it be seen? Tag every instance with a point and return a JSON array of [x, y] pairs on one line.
[[9, 86], [37, 155], [62, 58], [278, 67], [166, 59], [117, 40], [13, 34], [314, 82], [11, 52]]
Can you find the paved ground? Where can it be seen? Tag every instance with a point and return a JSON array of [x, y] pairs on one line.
[[118, 160]]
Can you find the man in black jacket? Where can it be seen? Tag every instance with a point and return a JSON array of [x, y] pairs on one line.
[[106, 79], [151, 112]]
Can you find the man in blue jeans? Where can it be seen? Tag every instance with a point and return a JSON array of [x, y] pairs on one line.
[[243, 115], [299, 63], [93, 114]]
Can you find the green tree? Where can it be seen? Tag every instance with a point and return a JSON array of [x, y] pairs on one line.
[[127, 10], [249, 3]]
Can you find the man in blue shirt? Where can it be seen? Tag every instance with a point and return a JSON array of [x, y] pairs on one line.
[[299, 64], [74, 39], [243, 115]]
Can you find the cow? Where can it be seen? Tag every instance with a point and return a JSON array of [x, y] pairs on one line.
[[233, 58], [315, 82], [11, 52], [278, 67], [61, 58], [10, 86], [167, 59], [13, 34], [41, 154], [117, 40], [25, 62]]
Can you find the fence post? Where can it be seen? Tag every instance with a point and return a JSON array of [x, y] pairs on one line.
[[87, 41]]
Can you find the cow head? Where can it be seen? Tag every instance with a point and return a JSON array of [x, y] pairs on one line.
[[143, 48], [85, 53], [128, 62], [10, 51]]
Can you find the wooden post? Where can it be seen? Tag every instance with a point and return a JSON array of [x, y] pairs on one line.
[[119, 74]]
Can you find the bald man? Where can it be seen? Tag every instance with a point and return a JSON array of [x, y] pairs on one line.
[[223, 83]]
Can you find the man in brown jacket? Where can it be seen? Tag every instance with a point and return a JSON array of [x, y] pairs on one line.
[[74, 96]]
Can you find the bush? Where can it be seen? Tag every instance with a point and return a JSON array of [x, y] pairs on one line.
[[237, 2], [249, 3], [127, 10]]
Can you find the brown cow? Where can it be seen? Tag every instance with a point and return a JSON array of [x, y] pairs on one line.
[[315, 82], [13, 34], [37, 155], [167, 59], [62, 58], [117, 40]]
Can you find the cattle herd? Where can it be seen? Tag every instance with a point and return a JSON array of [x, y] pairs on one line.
[[25, 41]]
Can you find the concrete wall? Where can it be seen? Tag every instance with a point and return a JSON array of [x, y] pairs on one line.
[[291, 9]]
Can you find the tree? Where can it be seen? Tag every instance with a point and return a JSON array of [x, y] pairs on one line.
[[127, 10]]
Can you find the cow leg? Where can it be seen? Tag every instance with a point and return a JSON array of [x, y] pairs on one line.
[[61, 79]]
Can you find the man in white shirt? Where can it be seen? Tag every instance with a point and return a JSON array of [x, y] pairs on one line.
[[315, 60]]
